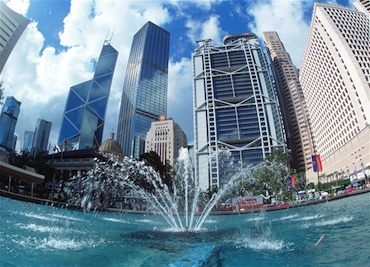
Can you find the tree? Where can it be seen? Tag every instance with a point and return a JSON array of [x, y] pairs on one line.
[[164, 170]]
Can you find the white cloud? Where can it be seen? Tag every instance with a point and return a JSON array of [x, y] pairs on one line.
[[41, 79], [19, 6], [180, 101], [207, 29], [204, 4], [287, 19]]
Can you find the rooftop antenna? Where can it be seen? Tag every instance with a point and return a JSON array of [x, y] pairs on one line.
[[108, 40]]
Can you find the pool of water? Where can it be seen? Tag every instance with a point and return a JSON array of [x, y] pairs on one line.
[[36, 235]]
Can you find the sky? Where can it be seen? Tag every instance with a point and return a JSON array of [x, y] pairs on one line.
[[64, 37]]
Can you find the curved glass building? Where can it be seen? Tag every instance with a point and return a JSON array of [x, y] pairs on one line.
[[84, 115], [144, 95]]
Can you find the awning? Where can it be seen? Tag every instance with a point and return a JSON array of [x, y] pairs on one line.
[[20, 173]]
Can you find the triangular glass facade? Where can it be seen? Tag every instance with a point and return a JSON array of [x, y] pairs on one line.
[[84, 115]]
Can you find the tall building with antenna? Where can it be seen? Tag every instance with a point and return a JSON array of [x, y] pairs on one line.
[[144, 94], [235, 106], [84, 115]]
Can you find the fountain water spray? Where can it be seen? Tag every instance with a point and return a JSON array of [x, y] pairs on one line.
[[113, 181]]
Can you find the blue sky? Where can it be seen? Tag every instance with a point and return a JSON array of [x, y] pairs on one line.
[[64, 37]]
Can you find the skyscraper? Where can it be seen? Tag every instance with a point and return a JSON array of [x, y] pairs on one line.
[[8, 121], [293, 106], [165, 137], [362, 5], [84, 115], [144, 94], [27, 141], [11, 28], [335, 78], [235, 106], [41, 138]]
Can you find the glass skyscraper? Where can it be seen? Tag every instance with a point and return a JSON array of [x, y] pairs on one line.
[[235, 106], [8, 121], [84, 115], [144, 95], [41, 137], [27, 141]]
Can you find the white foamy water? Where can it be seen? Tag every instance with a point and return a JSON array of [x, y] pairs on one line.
[[52, 243], [289, 217], [46, 228], [114, 220], [41, 228], [309, 218], [256, 219], [144, 220], [38, 216], [327, 222], [263, 243], [64, 217]]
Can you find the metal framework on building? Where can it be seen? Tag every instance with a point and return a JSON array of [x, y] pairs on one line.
[[230, 83]]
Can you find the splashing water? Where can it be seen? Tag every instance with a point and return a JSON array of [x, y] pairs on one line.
[[114, 181]]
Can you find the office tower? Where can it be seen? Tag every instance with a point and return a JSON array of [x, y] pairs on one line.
[[335, 78], [8, 121], [41, 138], [293, 104], [235, 106], [165, 137], [11, 28], [144, 94], [362, 5], [27, 141], [84, 115]]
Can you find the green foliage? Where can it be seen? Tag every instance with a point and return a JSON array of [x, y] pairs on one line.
[[164, 170], [270, 175]]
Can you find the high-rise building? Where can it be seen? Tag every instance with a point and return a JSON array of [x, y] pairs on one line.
[[11, 28], [144, 95], [84, 115], [335, 78], [362, 5], [8, 121], [235, 106], [41, 138], [27, 141], [165, 137], [293, 104]]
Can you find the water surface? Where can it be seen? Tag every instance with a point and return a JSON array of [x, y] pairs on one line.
[[36, 235]]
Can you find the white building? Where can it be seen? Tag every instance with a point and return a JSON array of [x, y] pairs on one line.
[[362, 5], [335, 77], [165, 137], [12, 26]]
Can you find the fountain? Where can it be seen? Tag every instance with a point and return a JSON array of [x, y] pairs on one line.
[[179, 205], [317, 235]]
